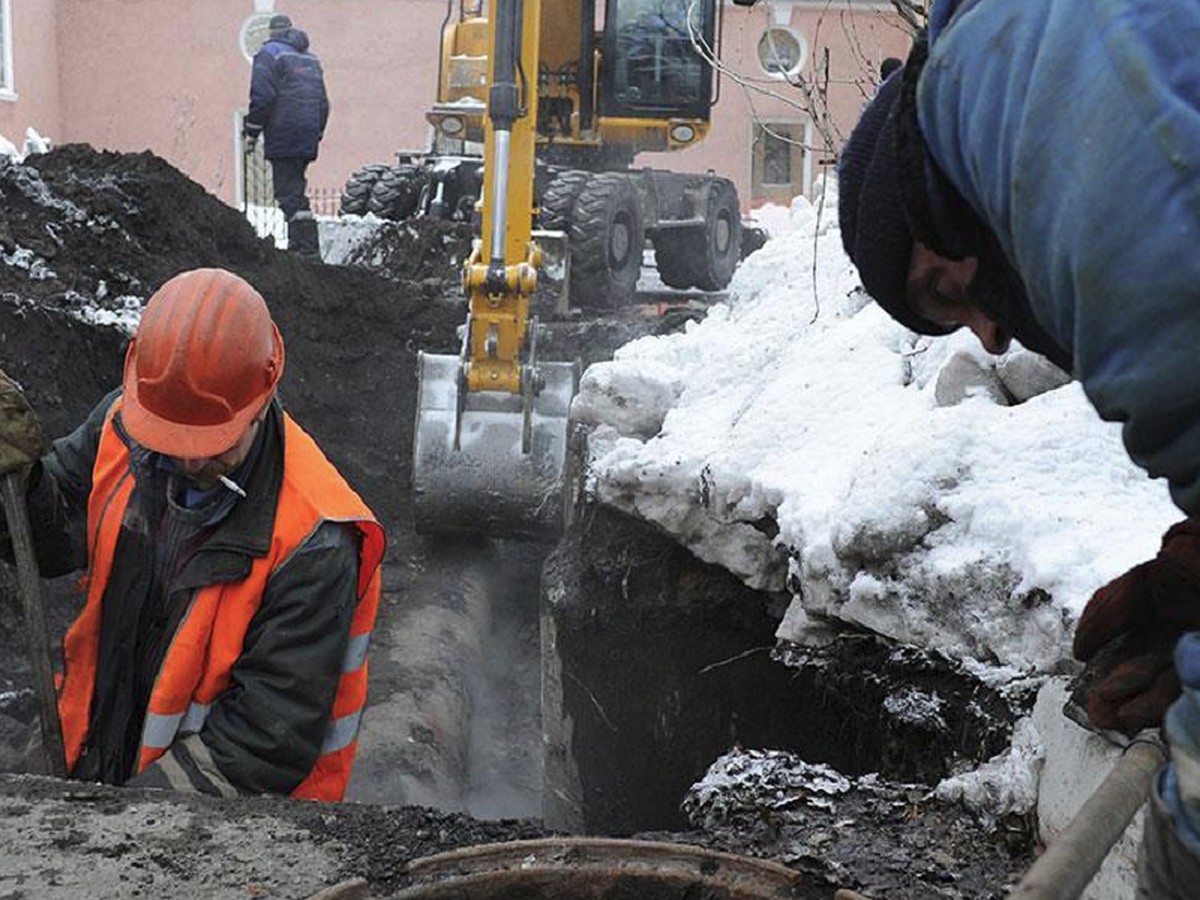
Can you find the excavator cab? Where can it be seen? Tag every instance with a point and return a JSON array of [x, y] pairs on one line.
[[653, 66], [619, 76]]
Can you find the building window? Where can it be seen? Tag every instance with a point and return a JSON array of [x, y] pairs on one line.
[[781, 52], [780, 167], [6, 66]]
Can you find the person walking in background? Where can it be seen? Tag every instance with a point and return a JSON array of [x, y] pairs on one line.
[[289, 108], [1034, 173], [233, 576]]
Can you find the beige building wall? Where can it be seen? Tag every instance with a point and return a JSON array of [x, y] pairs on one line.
[[32, 98], [170, 76]]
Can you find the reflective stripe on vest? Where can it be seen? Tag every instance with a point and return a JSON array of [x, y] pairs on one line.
[[208, 641]]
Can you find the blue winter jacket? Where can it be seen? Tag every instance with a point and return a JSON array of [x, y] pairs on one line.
[[1072, 127], [288, 102]]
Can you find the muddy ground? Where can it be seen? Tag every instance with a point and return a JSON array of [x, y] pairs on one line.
[[83, 231]]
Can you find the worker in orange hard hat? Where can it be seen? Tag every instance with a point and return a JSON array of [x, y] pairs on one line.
[[232, 574]]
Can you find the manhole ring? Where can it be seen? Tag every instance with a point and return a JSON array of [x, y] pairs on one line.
[[561, 868]]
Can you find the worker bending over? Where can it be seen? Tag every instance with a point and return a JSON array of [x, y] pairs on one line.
[[1034, 172], [232, 576]]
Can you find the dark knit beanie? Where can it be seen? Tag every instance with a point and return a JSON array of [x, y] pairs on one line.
[[875, 232], [279, 23]]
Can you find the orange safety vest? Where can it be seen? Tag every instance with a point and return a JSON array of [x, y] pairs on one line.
[[196, 667]]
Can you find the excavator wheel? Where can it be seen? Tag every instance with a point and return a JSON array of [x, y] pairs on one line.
[[721, 241], [558, 200], [396, 193], [607, 237], [673, 257], [357, 192]]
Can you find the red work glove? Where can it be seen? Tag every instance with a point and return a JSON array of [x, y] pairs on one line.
[[1128, 631]]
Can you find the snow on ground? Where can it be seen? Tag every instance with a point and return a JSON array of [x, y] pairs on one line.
[[804, 441]]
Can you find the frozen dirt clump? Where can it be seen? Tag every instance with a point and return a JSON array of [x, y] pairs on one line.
[[417, 250], [886, 839]]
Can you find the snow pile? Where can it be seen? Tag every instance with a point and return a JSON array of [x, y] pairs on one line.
[[34, 143], [810, 444], [1005, 785]]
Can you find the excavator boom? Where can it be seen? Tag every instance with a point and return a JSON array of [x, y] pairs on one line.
[[490, 453]]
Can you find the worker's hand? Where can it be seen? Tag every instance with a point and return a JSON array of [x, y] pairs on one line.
[[1136, 620], [250, 134], [20, 433]]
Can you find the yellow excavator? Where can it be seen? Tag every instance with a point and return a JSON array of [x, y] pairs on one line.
[[611, 80], [561, 109]]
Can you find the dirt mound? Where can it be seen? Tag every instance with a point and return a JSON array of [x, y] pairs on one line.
[[90, 235]]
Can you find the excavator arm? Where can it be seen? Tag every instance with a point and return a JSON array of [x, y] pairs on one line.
[[490, 453]]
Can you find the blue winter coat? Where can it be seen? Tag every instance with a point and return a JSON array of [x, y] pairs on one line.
[[288, 102], [1072, 127]]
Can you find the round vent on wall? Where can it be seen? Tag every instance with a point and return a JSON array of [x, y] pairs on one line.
[[781, 52], [254, 34]]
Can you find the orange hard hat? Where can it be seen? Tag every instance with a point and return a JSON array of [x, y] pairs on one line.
[[204, 362]]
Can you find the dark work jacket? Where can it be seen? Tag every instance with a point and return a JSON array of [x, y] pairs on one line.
[[288, 102], [262, 735]]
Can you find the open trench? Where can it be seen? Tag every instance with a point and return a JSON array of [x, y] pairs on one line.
[[579, 688]]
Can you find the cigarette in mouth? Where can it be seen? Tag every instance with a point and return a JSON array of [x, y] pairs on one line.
[[232, 485]]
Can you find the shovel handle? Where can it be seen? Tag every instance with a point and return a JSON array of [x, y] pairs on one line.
[[29, 582], [1064, 871]]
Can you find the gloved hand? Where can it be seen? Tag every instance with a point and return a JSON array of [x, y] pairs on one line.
[[1136, 620], [250, 135], [20, 432]]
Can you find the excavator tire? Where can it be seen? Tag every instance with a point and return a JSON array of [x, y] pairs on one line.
[[673, 257], [606, 239], [396, 193], [357, 192], [558, 201], [721, 241]]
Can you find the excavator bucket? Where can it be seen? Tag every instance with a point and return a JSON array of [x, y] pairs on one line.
[[492, 462]]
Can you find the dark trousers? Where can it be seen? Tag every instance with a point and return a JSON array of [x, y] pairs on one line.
[[288, 177]]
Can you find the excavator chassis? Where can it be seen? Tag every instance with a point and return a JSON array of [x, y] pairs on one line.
[[492, 462]]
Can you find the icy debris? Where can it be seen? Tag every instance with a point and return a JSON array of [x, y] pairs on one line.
[[30, 184], [914, 706], [124, 312], [341, 236], [1007, 784], [743, 785], [24, 258], [35, 143]]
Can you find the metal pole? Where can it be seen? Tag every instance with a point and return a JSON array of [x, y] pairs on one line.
[[35, 624]]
